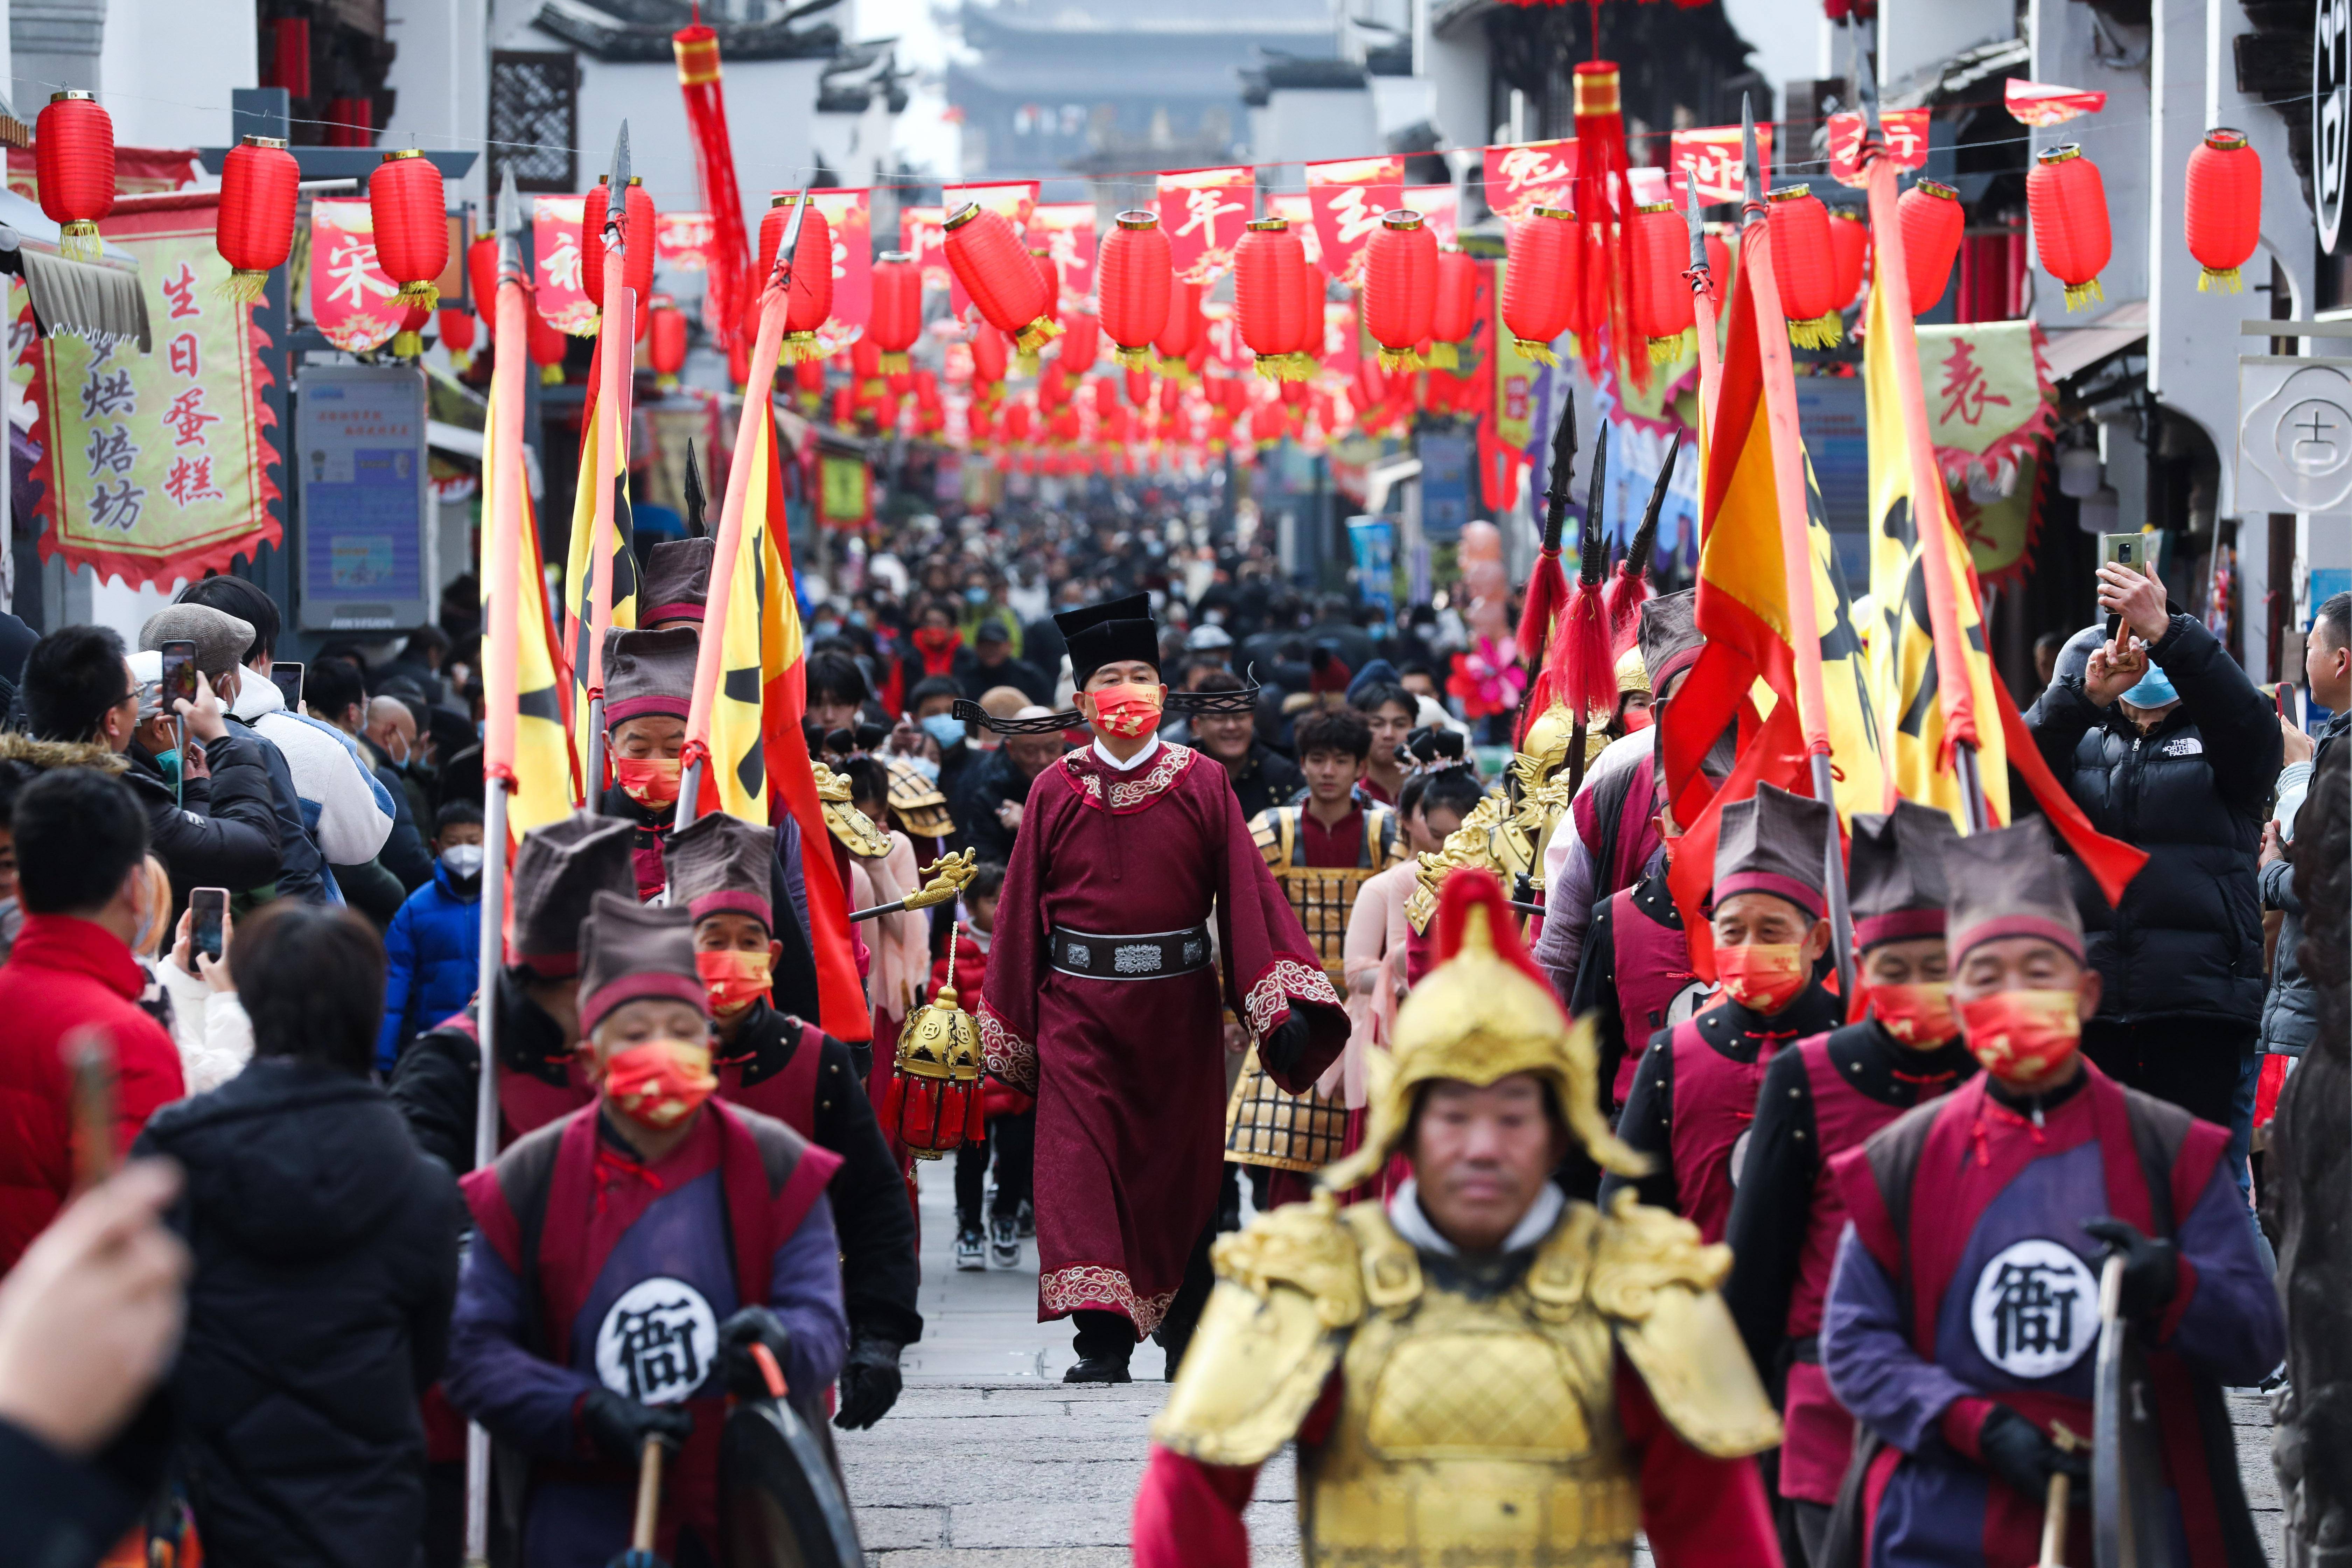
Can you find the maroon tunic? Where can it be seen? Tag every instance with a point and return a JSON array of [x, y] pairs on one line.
[[1130, 1074], [1652, 964], [789, 1096], [1715, 1103]]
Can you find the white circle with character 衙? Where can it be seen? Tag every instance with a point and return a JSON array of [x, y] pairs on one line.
[[658, 1342], [2036, 1308]]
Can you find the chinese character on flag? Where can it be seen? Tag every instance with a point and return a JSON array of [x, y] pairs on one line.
[[682, 240], [1905, 131], [1711, 160], [1530, 176], [350, 295], [1204, 212], [563, 302], [1065, 231], [1347, 197]]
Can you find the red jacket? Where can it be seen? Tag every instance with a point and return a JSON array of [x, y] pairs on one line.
[[62, 975]]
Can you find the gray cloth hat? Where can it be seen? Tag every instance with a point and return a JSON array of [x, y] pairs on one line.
[[677, 581], [1669, 636], [1895, 873], [2007, 883], [1773, 842], [558, 869], [648, 672], [220, 637], [632, 952], [718, 864]]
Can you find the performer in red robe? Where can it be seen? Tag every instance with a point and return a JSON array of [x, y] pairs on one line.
[[1103, 998]]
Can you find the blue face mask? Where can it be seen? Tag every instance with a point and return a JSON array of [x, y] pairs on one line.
[[975, 595], [2153, 690], [928, 768], [944, 728], [170, 763]]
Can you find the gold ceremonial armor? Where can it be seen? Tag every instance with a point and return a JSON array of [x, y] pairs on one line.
[[1471, 1430], [855, 830]]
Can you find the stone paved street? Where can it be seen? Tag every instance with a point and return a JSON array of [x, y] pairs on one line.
[[989, 1458]]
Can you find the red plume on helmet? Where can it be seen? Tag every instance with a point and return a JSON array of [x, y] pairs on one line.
[[1469, 887]]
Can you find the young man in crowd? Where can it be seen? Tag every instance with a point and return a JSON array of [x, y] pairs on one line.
[[1964, 1308], [650, 1204], [991, 798], [1823, 1096], [648, 687], [784, 1067], [433, 948], [1693, 1095], [1389, 712], [1261, 776]]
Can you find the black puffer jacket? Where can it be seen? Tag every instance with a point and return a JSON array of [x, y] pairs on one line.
[[326, 1262], [2187, 942]]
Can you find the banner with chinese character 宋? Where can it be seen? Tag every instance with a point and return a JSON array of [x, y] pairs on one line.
[[1347, 196], [351, 294], [559, 288], [1532, 174], [153, 467], [1204, 213]]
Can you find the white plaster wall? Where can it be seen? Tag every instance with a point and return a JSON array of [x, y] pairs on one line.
[[1916, 34], [441, 78], [166, 69], [1303, 125]]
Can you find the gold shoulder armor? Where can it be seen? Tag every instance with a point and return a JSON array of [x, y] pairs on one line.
[[1266, 836], [1288, 1288], [1655, 1282]]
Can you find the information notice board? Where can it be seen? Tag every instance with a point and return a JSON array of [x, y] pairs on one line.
[[359, 460]]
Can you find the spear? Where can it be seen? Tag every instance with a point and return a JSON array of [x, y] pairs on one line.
[[695, 502], [618, 307], [1703, 285], [1627, 589], [1589, 660], [1548, 584]]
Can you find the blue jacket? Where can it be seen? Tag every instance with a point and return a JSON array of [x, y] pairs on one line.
[[431, 954]]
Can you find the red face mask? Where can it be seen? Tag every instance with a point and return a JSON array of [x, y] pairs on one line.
[[1763, 976], [2022, 1034], [647, 781], [1126, 711], [734, 978], [1918, 1015], [938, 640], [659, 1082], [1637, 718]]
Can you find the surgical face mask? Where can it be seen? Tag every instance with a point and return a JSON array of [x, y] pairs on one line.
[[660, 1082], [975, 595], [170, 763], [733, 978], [464, 860], [649, 780], [394, 747], [1764, 976], [928, 768], [2022, 1035], [944, 728]]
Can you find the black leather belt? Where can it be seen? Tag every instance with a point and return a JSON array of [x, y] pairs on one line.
[[1153, 955]]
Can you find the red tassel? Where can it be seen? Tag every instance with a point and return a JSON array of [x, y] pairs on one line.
[[1622, 599], [1602, 183]]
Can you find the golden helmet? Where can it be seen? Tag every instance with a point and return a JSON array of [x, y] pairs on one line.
[[855, 830], [1481, 1014], [941, 1040], [1546, 742], [1633, 675]]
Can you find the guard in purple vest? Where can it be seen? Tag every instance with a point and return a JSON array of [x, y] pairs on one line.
[[1825, 1095], [648, 687], [779, 1066], [1963, 1313], [1693, 1096], [628, 1257]]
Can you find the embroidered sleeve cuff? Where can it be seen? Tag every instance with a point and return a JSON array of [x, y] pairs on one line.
[[1008, 1056], [1962, 1420], [1285, 981], [2167, 1322]]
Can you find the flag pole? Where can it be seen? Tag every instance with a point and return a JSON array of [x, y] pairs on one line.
[[1780, 388], [757, 392], [612, 366], [501, 678], [1701, 275]]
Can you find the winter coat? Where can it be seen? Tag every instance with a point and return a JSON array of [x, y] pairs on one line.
[[432, 955], [326, 1264], [215, 1037], [2186, 942], [2290, 1007], [301, 869]]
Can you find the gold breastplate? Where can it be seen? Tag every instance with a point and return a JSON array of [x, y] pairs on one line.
[[1472, 1432]]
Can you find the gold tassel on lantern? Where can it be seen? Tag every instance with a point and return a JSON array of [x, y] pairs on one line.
[[933, 1103]]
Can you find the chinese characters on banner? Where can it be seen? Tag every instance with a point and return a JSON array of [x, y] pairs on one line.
[[1065, 231], [1204, 213], [1224, 329], [1530, 176], [922, 235], [2045, 103], [1348, 196], [1297, 208], [350, 295], [153, 467], [851, 220], [1907, 140], [1712, 160], [563, 301], [1440, 207], [682, 241]]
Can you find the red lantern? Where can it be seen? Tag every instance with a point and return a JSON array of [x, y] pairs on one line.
[[1016, 422], [1849, 253], [666, 345], [1138, 386], [1719, 262], [257, 191], [1052, 276], [1312, 287], [1105, 396], [638, 244], [1401, 287], [592, 243], [808, 378], [997, 272], [1268, 300], [896, 318], [1541, 281], [1180, 333], [1132, 285], [411, 225], [547, 346], [988, 356], [1455, 316], [865, 362], [1932, 225], [1799, 231], [809, 301], [1659, 296], [1266, 424], [457, 330], [409, 341], [73, 159], [482, 275], [1081, 342], [2223, 213], [2067, 202]]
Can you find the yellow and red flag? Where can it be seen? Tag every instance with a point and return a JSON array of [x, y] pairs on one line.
[[600, 580], [522, 676]]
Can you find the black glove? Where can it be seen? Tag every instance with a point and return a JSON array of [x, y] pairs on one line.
[[2016, 1450], [737, 1366], [869, 1383], [619, 1426], [2151, 1268], [1281, 1052]]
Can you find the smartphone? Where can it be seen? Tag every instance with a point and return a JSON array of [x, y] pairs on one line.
[[2122, 550], [207, 912], [179, 674], [2289, 708], [289, 677]]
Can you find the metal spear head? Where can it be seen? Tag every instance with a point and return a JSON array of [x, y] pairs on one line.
[[1645, 538], [1563, 461], [1750, 177], [616, 195], [508, 220], [1697, 228], [696, 503], [789, 245], [1593, 553]]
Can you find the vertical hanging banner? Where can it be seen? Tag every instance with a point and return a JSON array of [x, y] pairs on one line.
[[1531, 175], [1297, 208], [1348, 196], [562, 297], [350, 293], [682, 241], [1907, 142], [922, 234], [1440, 207], [1710, 160], [1223, 325], [850, 216], [153, 467], [1204, 213], [1065, 232]]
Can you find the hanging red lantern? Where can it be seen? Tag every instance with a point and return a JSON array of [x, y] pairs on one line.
[[411, 225], [260, 186], [1266, 424], [988, 356], [809, 301], [637, 245], [2224, 212], [895, 320], [1848, 251], [1541, 281], [1180, 332], [1719, 262], [1268, 300], [547, 344], [865, 362], [1081, 343], [1455, 314], [1105, 397], [1659, 296], [482, 275], [2067, 202], [408, 339], [1312, 289], [1132, 285], [1798, 232], [456, 330], [808, 378], [1401, 287], [996, 269], [1016, 422], [73, 159], [1051, 276], [592, 244], [666, 345], [1932, 225], [1138, 386]]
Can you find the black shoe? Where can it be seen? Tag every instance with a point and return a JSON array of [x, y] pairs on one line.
[[1099, 1369], [969, 1245], [1024, 1221], [1004, 1246]]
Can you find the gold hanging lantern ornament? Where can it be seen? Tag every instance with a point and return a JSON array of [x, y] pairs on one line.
[[933, 1103]]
